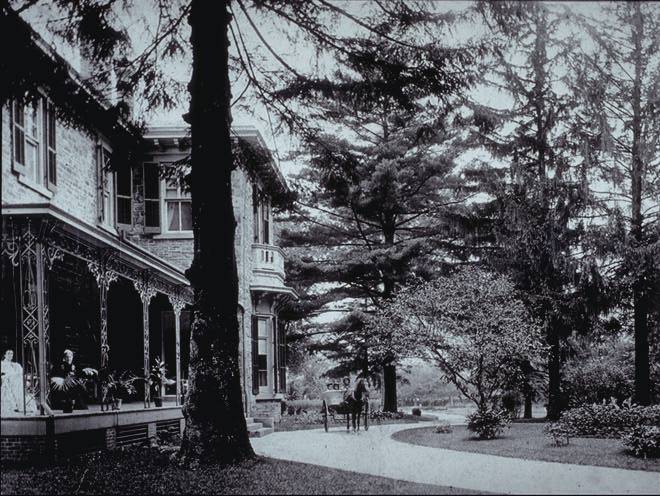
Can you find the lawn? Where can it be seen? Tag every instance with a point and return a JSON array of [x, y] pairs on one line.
[[143, 470], [528, 441]]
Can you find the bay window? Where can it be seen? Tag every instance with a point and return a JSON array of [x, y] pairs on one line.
[[261, 213]]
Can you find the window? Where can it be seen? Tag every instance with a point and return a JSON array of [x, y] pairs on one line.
[[263, 352], [106, 177], [34, 141], [124, 196], [178, 208], [262, 357], [151, 196], [261, 216]]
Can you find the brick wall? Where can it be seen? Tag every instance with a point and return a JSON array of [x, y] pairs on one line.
[[23, 449], [76, 173]]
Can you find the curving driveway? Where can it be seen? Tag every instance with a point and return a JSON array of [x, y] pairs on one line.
[[374, 452]]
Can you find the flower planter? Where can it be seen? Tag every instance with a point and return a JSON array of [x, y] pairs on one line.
[[116, 405], [158, 402], [67, 406]]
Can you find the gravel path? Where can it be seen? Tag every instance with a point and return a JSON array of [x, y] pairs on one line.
[[375, 453]]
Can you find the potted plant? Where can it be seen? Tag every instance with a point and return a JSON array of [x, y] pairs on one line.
[[118, 387], [72, 388], [157, 379]]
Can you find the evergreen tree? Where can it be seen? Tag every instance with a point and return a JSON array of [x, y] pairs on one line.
[[617, 87], [379, 198], [539, 204]]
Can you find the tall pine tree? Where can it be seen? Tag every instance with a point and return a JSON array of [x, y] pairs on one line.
[[617, 87], [545, 189]]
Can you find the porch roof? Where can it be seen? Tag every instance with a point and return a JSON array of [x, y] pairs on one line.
[[88, 242]]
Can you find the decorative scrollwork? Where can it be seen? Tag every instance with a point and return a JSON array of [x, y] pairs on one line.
[[145, 288], [102, 274], [177, 301]]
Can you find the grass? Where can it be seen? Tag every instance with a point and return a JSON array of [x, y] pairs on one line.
[[528, 441], [142, 470]]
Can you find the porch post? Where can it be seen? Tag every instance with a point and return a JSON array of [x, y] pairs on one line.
[[28, 253], [104, 277], [177, 306], [42, 326], [146, 292]]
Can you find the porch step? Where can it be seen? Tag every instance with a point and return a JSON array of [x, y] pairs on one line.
[[253, 426], [264, 431], [249, 420]]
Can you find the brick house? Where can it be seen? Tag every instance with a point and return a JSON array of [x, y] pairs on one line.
[[93, 261]]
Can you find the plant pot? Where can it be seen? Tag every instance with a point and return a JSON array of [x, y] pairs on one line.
[[116, 405], [67, 406], [158, 402]]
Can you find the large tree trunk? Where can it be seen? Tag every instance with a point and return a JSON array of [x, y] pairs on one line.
[[389, 368], [215, 422], [389, 389], [640, 306]]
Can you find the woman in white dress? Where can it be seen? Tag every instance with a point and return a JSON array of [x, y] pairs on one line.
[[11, 400]]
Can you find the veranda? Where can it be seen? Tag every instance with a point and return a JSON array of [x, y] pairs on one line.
[[67, 286]]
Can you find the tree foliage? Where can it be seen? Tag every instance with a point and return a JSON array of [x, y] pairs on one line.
[[470, 324]]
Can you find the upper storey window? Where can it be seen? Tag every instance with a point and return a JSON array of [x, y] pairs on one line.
[[106, 187], [34, 142], [261, 213], [177, 208]]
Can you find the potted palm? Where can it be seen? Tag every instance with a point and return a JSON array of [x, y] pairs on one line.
[[72, 388]]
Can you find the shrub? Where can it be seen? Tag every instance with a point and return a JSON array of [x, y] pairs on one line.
[[599, 373], [380, 415], [559, 432], [487, 423], [443, 428], [417, 412], [643, 441], [609, 420]]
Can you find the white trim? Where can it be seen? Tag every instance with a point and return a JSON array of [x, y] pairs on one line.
[[175, 235], [164, 224], [42, 190]]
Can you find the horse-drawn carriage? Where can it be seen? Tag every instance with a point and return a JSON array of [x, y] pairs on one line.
[[353, 404]]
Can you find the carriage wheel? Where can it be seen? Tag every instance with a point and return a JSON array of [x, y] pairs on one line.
[[324, 412], [366, 415]]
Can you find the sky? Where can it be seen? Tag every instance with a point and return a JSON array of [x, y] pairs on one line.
[[288, 44]]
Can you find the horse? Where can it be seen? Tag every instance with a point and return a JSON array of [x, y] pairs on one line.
[[355, 402]]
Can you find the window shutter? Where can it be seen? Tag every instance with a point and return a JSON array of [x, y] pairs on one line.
[[273, 322], [255, 355], [17, 118], [100, 174], [151, 192], [255, 214], [50, 143], [281, 335]]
